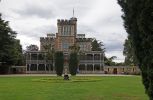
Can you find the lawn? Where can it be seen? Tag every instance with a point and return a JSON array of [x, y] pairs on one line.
[[78, 88]]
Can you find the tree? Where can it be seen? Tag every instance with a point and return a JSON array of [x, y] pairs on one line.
[[97, 45], [17, 51], [109, 61], [138, 18], [10, 49], [74, 48], [59, 63], [74, 59], [73, 63], [128, 52], [50, 51], [49, 48], [32, 47]]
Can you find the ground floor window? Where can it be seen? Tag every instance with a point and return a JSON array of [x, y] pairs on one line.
[[89, 67], [33, 67], [81, 67], [97, 67], [41, 67]]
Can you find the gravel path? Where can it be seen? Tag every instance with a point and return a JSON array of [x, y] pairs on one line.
[[23, 75]]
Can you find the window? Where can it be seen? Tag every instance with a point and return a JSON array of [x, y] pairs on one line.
[[65, 45], [66, 30]]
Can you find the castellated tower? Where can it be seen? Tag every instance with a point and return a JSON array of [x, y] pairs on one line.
[[67, 30], [47, 42]]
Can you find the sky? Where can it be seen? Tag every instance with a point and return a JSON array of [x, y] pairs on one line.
[[100, 19]]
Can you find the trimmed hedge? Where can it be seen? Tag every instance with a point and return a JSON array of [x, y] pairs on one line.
[[59, 63], [73, 63]]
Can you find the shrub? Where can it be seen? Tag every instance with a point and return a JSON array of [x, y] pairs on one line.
[[73, 63], [59, 63]]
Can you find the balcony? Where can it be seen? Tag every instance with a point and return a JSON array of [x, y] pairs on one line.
[[91, 61], [38, 61]]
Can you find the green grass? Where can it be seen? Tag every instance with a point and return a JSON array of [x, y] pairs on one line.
[[78, 88]]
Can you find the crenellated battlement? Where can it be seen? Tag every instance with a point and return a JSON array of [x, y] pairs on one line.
[[45, 39], [71, 21], [48, 38]]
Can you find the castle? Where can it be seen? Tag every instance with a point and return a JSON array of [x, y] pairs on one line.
[[90, 62]]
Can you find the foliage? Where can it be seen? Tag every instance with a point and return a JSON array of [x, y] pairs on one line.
[[50, 52], [59, 63], [18, 56], [138, 18], [73, 63], [97, 45], [74, 48], [109, 61], [10, 50], [128, 52], [32, 47]]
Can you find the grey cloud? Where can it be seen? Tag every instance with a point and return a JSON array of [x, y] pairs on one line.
[[114, 46], [36, 10], [38, 32], [101, 26]]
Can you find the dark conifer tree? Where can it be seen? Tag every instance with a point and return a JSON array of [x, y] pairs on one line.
[[138, 22], [73, 63], [59, 63]]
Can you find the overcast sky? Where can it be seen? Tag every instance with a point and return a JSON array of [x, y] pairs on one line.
[[101, 19]]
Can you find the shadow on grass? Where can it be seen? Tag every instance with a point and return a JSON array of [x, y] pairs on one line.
[[61, 80]]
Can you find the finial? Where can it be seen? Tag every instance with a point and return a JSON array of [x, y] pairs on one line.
[[73, 12]]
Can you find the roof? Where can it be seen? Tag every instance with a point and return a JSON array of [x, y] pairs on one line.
[[83, 39]]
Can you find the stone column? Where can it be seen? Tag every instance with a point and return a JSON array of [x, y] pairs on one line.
[[93, 57], [37, 66], [93, 66], [26, 62], [30, 57], [29, 67], [101, 62], [100, 67], [53, 66], [37, 59], [85, 67]]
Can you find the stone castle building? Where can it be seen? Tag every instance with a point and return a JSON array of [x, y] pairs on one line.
[[67, 36], [90, 62]]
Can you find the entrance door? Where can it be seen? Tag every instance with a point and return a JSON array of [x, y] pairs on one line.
[[115, 71]]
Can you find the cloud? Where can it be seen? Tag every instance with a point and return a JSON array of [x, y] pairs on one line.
[[100, 19], [36, 10]]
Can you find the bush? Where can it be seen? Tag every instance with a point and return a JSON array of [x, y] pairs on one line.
[[73, 63], [59, 63], [4, 69]]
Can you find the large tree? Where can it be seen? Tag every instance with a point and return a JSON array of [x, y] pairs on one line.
[[10, 48], [138, 22], [49, 48]]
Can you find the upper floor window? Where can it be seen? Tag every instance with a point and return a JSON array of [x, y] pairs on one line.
[[66, 30]]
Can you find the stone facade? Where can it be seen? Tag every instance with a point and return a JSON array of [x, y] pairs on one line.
[[67, 36], [122, 70], [90, 61]]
